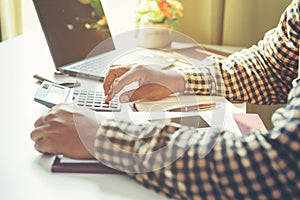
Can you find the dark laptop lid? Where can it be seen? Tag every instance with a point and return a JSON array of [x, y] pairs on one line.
[[70, 28]]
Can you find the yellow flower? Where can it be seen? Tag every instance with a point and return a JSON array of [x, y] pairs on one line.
[[177, 5], [147, 6], [84, 1], [103, 21]]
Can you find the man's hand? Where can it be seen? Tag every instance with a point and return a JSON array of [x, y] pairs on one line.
[[153, 84], [66, 130]]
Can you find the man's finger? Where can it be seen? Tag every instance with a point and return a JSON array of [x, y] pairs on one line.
[[39, 122], [46, 145], [136, 74], [40, 132], [112, 74], [36, 134]]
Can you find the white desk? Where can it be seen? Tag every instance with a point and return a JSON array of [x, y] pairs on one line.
[[25, 174]]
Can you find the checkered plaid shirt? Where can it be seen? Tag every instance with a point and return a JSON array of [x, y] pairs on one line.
[[187, 163]]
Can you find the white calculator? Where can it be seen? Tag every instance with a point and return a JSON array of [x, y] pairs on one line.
[[50, 94]]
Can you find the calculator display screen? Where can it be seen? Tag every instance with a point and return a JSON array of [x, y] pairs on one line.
[[55, 94]]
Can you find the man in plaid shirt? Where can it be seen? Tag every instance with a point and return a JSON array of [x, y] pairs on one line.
[[183, 162]]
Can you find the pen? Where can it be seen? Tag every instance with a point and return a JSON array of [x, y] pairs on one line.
[[66, 84], [193, 107], [210, 53]]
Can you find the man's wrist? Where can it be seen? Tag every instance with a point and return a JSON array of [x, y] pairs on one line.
[[176, 81]]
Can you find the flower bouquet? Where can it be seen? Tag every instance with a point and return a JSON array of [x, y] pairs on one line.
[[159, 12]]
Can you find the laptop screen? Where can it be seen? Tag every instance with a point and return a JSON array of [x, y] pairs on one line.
[[73, 29]]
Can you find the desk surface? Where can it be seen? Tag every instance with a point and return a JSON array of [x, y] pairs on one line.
[[25, 174]]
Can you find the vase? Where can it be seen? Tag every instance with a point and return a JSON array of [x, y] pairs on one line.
[[154, 36]]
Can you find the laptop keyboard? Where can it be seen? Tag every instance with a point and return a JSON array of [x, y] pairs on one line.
[[95, 100], [97, 65]]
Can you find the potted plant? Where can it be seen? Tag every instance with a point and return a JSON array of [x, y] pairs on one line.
[[155, 18]]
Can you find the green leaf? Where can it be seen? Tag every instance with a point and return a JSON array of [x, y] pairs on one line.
[[96, 5], [156, 17]]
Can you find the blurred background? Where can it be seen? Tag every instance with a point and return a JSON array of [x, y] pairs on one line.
[[218, 22], [231, 22]]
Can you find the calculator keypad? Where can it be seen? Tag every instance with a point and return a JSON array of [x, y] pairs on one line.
[[95, 100]]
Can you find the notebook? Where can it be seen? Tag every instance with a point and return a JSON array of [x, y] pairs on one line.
[[68, 165], [77, 46]]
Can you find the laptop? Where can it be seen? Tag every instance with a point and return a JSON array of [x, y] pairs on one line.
[[77, 46], [72, 40]]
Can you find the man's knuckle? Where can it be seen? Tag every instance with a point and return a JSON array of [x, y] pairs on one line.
[[49, 117], [39, 146], [55, 123], [140, 67]]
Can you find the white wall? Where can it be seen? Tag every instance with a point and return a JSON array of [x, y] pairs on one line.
[[30, 20]]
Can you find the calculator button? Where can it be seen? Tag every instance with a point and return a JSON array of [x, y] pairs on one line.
[[95, 100]]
